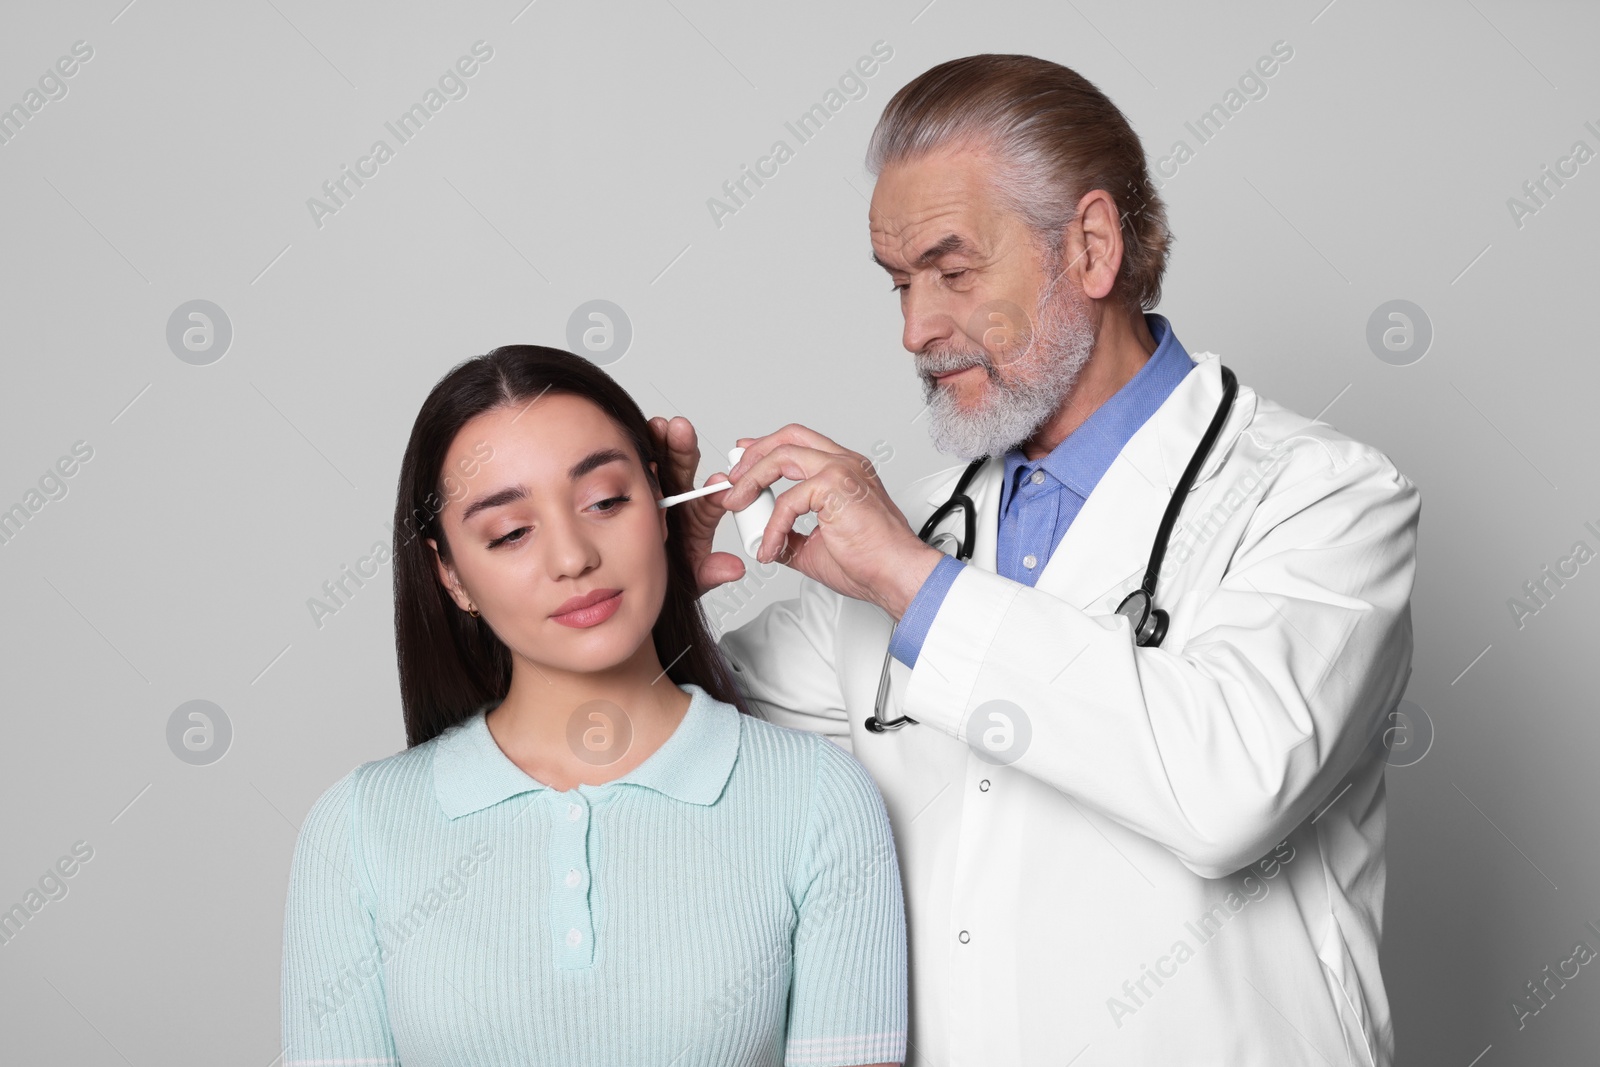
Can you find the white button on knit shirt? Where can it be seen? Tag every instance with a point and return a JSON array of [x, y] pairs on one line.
[[734, 899]]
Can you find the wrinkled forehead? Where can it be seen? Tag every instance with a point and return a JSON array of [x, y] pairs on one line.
[[938, 203]]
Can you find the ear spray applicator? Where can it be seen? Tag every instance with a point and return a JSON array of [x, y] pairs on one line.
[[751, 522]]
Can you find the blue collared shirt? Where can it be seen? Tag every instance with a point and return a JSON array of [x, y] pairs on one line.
[[1039, 500]]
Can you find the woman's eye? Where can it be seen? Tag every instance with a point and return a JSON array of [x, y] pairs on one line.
[[514, 537], [511, 537]]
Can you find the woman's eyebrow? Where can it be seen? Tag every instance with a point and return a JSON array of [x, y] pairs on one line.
[[598, 458]]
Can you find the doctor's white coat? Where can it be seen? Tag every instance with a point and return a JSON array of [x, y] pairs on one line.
[[1185, 865]]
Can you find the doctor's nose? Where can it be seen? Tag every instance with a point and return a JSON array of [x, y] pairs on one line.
[[925, 326]]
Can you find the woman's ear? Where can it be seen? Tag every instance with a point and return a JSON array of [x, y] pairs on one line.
[[661, 512], [447, 575]]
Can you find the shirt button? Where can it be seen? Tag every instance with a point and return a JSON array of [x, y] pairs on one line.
[[983, 786], [1030, 560], [963, 937], [574, 938], [1036, 477], [573, 877], [574, 813]]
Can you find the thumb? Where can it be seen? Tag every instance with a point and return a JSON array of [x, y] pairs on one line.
[[719, 568]]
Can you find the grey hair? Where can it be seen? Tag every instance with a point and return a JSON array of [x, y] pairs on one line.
[[1053, 136]]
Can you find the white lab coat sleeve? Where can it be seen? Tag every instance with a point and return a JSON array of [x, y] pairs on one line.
[[1218, 749], [785, 661]]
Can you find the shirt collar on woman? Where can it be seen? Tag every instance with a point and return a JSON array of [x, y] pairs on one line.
[[471, 773]]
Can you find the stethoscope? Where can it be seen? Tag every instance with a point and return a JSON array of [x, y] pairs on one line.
[[1149, 622]]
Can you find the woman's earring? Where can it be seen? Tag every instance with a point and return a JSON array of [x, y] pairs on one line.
[[474, 613]]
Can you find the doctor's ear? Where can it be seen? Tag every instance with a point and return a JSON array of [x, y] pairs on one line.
[[1093, 243]]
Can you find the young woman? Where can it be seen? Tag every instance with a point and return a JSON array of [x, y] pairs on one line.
[[590, 853]]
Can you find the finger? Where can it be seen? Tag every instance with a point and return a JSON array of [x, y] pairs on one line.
[[811, 495], [796, 550], [719, 568], [792, 550], [794, 462], [780, 528], [658, 433], [712, 503], [683, 450], [792, 434]]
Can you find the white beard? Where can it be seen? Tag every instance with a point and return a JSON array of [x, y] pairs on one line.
[[1034, 388]]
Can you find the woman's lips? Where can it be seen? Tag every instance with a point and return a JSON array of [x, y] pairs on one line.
[[592, 615]]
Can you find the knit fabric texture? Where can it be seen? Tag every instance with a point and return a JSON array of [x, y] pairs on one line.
[[734, 899]]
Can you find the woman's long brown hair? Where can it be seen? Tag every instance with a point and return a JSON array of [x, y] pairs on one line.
[[452, 664]]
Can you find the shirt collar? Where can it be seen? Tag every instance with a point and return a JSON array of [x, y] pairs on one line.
[[471, 773], [1085, 454]]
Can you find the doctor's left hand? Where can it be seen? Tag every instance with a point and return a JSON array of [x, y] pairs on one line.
[[862, 546]]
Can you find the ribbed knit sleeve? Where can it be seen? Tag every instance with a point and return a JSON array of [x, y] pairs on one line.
[[848, 994], [333, 999]]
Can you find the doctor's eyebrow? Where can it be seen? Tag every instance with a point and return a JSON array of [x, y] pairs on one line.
[[598, 458], [946, 245]]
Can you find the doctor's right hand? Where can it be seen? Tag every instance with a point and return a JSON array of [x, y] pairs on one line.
[[677, 438]]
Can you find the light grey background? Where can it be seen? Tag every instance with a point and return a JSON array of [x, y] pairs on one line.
[[219, 498]]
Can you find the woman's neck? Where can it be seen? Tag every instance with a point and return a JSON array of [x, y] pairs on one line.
[[566, 729]]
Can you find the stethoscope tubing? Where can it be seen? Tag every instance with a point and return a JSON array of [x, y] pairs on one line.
[[1150, 623]]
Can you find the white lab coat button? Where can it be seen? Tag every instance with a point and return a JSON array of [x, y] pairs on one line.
[[573, 878], [574, 938], [1029, 561], [983, 786], [1036, 477], [963, 937]]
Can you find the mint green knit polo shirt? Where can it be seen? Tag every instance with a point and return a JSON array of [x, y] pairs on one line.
[[734, 899]]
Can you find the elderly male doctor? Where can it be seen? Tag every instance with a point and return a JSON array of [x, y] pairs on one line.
[[1113, 853]]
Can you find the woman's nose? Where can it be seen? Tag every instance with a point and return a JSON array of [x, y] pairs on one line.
[[570, 549]]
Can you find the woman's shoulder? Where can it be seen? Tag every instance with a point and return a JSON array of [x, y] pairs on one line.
[[824, 773], [782, 741], [782, 748], [840, 836], [387, 785]]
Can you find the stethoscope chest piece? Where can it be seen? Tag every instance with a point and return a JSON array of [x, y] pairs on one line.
[[1149, 622]]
